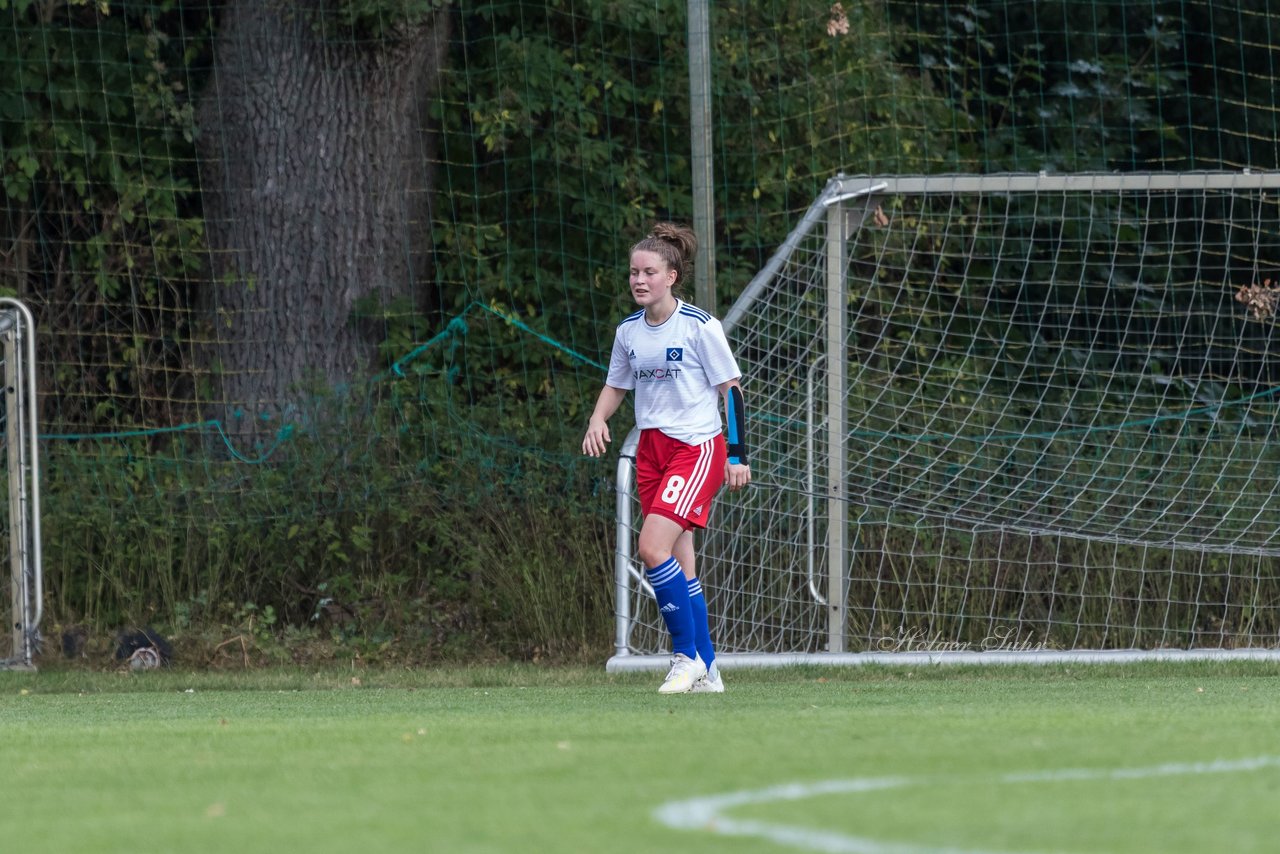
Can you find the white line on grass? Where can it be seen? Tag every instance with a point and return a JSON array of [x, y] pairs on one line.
[[709, 813]]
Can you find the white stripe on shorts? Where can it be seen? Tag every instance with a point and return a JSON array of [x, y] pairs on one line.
[[701, 469]]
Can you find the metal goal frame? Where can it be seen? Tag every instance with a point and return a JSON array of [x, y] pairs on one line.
[[21, 455], [841, 209]]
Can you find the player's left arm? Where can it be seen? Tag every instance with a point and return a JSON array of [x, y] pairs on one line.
[[737, 472]]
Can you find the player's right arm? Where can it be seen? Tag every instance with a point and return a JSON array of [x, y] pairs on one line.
[[597, 438]]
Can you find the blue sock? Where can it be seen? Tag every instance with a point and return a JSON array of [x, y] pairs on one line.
[[672, 593], [701, 624]]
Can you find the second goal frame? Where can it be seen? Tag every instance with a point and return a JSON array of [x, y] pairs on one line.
[[805, 617]]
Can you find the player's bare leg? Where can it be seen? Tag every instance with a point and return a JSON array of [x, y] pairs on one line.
[[659, 536], [685, 553]]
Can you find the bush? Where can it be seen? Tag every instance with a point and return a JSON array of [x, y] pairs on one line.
[[366, 529]]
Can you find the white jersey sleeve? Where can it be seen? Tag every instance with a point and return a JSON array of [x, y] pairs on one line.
[[717, 359]]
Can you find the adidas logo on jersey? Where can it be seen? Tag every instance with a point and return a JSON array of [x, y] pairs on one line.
[[669, 608]]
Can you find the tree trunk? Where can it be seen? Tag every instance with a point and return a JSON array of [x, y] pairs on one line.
[[315, 191]]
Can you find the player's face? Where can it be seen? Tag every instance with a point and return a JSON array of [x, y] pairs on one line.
[[651, 278]]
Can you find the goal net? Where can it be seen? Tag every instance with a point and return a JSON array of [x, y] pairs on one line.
[[21, 518], [1001, 417]]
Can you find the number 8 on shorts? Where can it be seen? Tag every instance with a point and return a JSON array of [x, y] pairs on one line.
[[671, 494]]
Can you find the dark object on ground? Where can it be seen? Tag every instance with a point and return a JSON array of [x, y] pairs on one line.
[[143, 648], [74, 639]]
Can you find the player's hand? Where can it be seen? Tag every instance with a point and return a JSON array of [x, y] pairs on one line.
[[736, 475], [596, 442]]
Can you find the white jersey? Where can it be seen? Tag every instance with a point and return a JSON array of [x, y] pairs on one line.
[[674, 369]]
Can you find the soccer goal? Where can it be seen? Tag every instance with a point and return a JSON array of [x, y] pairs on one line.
[[1001, 418], [22, 521]]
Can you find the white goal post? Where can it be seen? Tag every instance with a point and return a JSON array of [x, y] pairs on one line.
[[1000, 418], [21, 531]]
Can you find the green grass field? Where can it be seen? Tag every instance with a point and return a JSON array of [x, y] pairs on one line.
[[1150, 757]]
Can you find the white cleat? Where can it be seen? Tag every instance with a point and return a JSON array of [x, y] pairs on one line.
[[684, 672], [709, 683]]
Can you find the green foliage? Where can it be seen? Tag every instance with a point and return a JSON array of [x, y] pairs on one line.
[[798, 100], [557, 158], [97, 133], [1037, 90], [554, 158], [403, 532]]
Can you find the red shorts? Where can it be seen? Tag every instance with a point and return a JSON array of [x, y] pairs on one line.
[[678, 480]]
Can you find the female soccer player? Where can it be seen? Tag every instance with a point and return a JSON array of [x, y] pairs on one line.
[[677, 359]]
